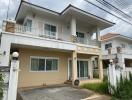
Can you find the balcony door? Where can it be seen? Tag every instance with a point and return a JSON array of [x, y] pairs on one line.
[[80, 37], [28, 25], [82, 69]]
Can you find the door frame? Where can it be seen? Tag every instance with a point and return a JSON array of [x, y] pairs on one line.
[[80, 59]]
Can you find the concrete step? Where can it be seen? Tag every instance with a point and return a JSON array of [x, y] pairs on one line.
[[19, 96], [68, 82]]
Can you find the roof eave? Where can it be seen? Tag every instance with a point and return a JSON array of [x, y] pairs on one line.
[[122, 36], [64, 11]]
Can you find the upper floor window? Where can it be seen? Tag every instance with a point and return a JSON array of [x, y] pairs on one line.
[[28, 25], [80, 37], [130, 46], [43, 64], [123, 45], [108, 45], [50, 30]]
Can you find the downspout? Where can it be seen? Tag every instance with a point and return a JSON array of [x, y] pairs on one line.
[[0, 38]]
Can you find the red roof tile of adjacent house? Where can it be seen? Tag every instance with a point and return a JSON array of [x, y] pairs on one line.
[[108, 35]]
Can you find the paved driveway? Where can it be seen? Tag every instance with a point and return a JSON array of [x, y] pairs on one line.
[[55, 93]]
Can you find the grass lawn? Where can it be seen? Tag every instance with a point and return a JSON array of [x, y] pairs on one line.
[[97, 87]]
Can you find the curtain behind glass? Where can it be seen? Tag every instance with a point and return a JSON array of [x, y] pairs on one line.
[[85, 69], [54, 64], [34, 64]]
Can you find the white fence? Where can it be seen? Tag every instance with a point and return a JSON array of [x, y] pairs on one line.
[[114, 75]]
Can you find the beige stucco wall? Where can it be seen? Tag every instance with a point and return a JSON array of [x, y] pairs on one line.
[[28, 78]]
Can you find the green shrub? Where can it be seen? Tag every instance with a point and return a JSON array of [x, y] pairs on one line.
[[1, 86], [123, 91], [97, 87]]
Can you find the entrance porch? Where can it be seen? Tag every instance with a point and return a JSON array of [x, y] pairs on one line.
[[41, 67]]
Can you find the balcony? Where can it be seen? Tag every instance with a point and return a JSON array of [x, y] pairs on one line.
[[114, 51], [12, 27], [88, 42]]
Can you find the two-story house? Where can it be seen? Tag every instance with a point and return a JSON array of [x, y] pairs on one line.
[[118, 47], [53, 47]]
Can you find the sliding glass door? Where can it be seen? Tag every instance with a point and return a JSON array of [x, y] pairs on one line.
[[82, 69]]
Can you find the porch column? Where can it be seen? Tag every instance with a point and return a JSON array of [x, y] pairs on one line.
[[98, 33], [74, 66], [100, 67], [121, 60], [91, 68], [73, 29]]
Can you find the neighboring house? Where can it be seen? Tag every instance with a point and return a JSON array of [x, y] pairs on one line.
[[121, 49], [54, 47]]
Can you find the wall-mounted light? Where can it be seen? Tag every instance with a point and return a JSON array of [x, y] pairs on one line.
[[34, 15], [4, 53], [15, 55], [75, 58]]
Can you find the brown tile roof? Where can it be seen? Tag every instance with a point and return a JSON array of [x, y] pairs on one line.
[[108, 35]]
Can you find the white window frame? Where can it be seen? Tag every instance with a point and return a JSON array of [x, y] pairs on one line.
[[56, 36], [30, 32], [38, 57], [107, 44], [84, 40]]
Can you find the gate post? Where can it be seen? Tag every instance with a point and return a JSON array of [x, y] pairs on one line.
[[13, 79], [111, 75]]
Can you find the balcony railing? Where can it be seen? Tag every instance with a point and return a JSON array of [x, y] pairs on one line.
[[16, 28], [24, 29], [114, 51], [34, 31], [88, 41]]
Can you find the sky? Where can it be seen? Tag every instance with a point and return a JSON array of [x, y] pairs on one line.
[[58, 5]]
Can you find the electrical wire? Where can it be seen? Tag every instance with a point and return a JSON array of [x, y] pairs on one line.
[[108, 12], [8, 10], [115, 9]]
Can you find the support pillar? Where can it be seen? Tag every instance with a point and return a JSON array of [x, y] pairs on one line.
[[74, 66], [73, 29], [4, 51], [121, 60], [98, 38], [13, 79], [91, 68], [100, 67]]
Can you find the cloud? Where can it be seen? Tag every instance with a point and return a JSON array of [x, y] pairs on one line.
[[4, 7], [59, 5], [121, 26]]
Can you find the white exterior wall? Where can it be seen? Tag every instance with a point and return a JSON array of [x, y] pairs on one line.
[[63, 28], [116, 42], [21, 39]]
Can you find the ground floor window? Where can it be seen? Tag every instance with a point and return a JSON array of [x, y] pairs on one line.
[[82, 69], [43, 64]]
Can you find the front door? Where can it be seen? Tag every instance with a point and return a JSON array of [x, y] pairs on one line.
[[82, 69]]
